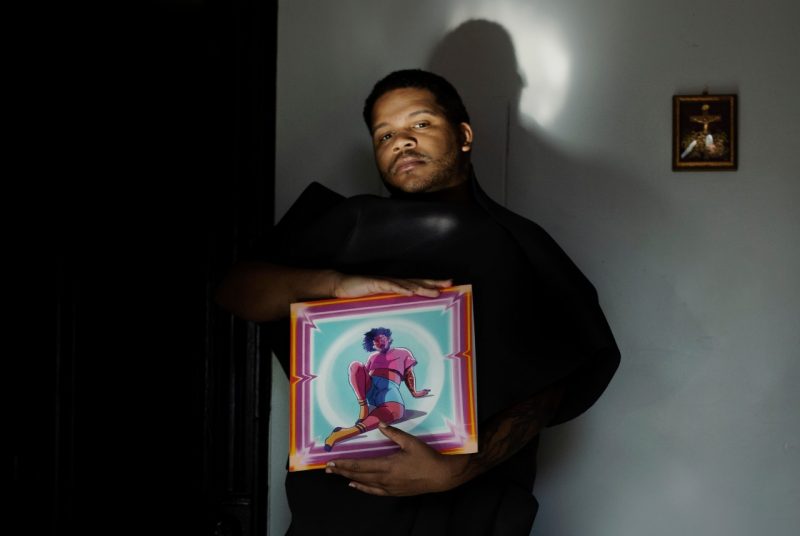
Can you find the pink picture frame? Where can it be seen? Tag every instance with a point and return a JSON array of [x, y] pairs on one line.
[[433, 337]]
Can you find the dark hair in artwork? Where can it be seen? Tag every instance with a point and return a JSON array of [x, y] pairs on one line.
[[446, 95], [369, 337]]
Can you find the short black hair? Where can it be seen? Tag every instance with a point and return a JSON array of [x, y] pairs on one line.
[[446, 95], [369, 337]]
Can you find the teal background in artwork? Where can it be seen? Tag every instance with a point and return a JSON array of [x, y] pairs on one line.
[[337, 342]]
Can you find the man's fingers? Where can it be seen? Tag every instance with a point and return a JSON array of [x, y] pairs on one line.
[[353, 468], [372, 490], [354, 286], [403, 439], [429, 287], [423, 287], [391, 286], [353, 475], [427, 292], [433, 283], [364, 478]]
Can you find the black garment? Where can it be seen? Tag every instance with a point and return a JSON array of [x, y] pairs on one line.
[[537, 322]]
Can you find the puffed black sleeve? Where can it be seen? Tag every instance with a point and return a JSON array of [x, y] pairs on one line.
[[299, 239], [586, 348], [307, 236]]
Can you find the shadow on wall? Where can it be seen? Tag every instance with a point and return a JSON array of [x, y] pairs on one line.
[[479, 59], [604, 218]]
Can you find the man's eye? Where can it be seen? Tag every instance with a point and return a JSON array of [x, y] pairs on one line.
[[385, 137], [421, 124]]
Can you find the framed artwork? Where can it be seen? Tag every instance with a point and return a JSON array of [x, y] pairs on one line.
[[704, 132], [408, 361]]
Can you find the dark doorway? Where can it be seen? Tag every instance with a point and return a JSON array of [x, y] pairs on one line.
[[148, 417]]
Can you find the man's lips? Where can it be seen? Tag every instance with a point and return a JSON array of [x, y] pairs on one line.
[[407, 162]]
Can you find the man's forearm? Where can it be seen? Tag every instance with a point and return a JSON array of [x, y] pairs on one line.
[[262, 291], [506, 433]]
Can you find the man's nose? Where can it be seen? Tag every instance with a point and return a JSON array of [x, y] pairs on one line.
[[404, 139]]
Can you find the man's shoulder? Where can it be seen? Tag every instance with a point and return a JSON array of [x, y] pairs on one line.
[[545, 254], [316, 198], [321, 207], [519, 225]]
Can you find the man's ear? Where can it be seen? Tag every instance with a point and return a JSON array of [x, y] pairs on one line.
[[466, 137]]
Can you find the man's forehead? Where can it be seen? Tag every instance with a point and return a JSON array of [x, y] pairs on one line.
[[404, 102]]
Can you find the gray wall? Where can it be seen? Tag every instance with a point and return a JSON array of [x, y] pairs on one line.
[[698, 272]]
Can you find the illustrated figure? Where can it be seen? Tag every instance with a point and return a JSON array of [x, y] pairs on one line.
[[376, 384]]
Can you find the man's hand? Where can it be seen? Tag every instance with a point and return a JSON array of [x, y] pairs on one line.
[[262, 291], [356, 286], [416, 469]]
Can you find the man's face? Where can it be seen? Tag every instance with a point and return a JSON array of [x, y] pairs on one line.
[[416, 147], [380, 342]]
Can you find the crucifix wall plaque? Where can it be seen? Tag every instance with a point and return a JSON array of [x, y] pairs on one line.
[[704, 132]]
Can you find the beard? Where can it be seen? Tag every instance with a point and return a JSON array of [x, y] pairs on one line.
[[433, 175]]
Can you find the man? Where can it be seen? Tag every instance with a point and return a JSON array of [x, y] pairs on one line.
[[545, 350]]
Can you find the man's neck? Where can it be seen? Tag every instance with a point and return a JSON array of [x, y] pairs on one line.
[[461, 192]]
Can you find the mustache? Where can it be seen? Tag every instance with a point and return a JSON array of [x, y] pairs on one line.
[[409, 153]]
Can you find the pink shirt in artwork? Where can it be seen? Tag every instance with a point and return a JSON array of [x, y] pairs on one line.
[[398, 359]]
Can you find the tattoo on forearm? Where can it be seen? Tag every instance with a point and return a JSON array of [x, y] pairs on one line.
[[409, 378], [509, 431]]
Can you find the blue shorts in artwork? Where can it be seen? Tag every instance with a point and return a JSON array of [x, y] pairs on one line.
[[383, 391]]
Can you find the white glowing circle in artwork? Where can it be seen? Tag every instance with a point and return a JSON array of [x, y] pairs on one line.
[[332, 375], [542, 56]]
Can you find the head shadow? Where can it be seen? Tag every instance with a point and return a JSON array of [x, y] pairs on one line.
[[479, 59]]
